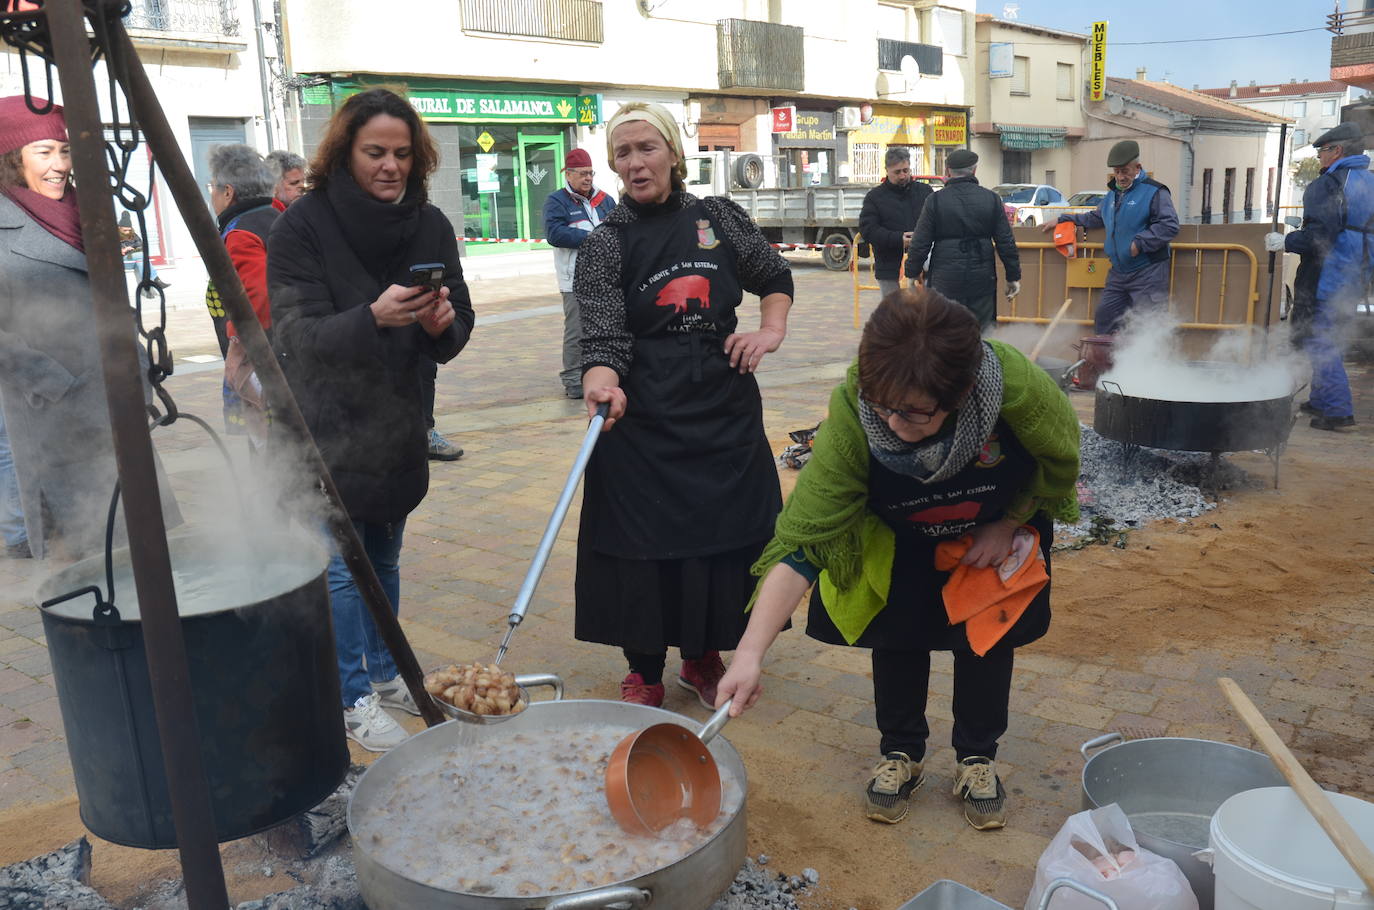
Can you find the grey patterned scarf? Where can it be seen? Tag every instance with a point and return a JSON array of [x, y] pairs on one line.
[[934, 460]]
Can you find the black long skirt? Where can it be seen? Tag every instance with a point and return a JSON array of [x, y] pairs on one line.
[[649, 605]]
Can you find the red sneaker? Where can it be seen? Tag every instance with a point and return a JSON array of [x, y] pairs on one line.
[[702, 676], [636, 691]]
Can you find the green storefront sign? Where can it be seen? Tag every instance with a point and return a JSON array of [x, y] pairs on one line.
[[460, 105]]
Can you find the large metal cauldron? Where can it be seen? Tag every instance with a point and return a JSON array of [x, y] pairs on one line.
[[263, 676], [1192, 426], [691, 883], [1169, 788]]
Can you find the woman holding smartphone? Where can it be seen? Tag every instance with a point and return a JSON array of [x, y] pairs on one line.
[[352, 331]]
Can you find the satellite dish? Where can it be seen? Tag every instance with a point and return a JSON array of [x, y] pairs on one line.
[[910, 68], [1115, 104]]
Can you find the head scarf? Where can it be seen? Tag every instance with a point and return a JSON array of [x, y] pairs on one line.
[[657, 116], [18, 127]]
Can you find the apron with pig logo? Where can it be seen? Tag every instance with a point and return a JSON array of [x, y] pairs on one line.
[[687, 471], [921, 515]]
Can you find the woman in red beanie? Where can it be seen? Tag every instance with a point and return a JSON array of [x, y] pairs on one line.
[[51, 387]]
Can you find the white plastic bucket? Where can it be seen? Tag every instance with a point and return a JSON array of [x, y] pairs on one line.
[[1270, 854]]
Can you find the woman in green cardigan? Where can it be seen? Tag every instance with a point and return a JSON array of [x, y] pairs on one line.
[[935, 435]]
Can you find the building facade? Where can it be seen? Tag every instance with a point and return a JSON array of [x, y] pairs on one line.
[[1313, 107], [509, 88], [1219, 160], [1029, 108]]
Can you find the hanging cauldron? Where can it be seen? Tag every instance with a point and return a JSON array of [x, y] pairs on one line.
[[263, 675]]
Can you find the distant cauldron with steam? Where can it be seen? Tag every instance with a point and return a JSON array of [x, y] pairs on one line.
[[1212, 407]]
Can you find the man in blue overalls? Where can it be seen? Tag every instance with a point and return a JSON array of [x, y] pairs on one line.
[[1336, 244], [1140, 220]]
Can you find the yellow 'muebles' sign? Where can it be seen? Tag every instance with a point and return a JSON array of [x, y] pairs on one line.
[[1098, 83]]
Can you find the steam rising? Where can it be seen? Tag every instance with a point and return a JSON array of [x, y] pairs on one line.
[[1148, 362]]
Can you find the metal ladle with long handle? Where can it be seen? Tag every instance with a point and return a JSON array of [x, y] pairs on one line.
[[560, 511]]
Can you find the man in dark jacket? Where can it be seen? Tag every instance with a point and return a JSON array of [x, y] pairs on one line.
[[889, 216], [570, 213], [1336, 244], [958, 228], [1140, 220]]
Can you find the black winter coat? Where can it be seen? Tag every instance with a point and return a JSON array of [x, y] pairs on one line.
[[358, 385], [958, 230], [889, 212]]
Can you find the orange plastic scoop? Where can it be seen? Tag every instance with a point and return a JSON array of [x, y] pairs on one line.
[[665, 773]]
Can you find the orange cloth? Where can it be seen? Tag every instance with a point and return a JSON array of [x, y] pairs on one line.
[[989, 601], [1066, 238]]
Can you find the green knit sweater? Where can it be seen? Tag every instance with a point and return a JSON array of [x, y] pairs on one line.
[[827, 516]]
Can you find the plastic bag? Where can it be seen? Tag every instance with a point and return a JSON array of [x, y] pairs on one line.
[[1098, 849]]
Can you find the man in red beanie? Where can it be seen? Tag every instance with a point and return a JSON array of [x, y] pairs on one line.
[[570, 213]]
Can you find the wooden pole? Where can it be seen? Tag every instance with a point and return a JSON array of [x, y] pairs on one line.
[[1355, 851]]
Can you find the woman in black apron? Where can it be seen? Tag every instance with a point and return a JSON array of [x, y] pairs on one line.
[[936, 439], [681, 494]]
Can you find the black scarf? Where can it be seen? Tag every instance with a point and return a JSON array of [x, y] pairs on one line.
[[379, 233]]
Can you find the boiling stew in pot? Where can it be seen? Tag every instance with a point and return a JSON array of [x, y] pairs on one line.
[[519, 815]]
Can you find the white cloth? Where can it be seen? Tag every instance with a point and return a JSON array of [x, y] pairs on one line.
[[1273, 242]]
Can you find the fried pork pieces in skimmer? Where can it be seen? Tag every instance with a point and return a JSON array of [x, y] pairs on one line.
[[479, 688]]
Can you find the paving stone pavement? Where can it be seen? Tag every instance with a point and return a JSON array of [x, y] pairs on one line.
[[469, 544]]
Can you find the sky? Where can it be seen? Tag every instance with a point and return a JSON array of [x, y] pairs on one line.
[[1208, 64]]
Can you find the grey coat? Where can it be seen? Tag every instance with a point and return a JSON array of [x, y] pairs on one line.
[[51, 387]]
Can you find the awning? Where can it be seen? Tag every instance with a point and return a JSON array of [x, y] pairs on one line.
[[1030, 138]]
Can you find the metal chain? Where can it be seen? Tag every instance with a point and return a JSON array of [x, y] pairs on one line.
[[26, 29]]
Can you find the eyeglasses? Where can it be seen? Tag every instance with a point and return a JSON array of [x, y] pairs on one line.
[[1326, 148], [912, 416], [582, 172]]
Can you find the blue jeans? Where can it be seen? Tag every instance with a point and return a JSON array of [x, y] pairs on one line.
[[355, 636], [1330, 385], [135, 265], [11, 511]]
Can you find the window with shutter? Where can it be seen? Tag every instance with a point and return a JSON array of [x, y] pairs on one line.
[[1064, 81], [1020, 75]]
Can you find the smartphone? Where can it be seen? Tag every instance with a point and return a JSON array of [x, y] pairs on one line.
[[427, 274]]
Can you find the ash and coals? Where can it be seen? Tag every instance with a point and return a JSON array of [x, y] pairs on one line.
[[1130, 491], [758, 888]]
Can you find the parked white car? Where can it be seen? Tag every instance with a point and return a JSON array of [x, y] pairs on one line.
[[1029, 200]]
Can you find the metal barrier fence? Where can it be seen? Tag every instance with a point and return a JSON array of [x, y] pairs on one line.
[[872, 264], [1087, 277]]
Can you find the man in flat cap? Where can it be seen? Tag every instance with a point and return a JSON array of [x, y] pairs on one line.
[[1336, 246], [889, 215], [958, 229], [570, 213], [1140, 220]]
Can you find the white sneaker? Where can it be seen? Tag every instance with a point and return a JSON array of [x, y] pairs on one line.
[[368, 725], [396, 695]]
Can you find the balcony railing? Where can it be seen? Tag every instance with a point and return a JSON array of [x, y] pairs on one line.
[[570, 20], [1357, 20], [760, 55], [202, 17], [929, 57]]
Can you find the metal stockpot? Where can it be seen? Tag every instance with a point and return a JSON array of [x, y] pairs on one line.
[[691, 883], [263, 677], [1192, 426], [1173, 786]]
